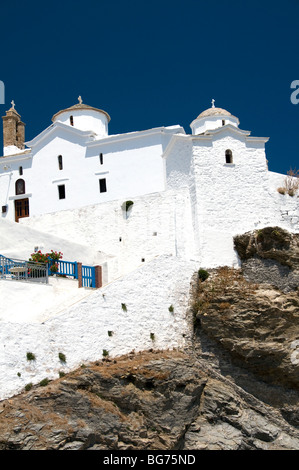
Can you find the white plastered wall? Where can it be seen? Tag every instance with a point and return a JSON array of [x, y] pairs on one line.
[[147, 323]]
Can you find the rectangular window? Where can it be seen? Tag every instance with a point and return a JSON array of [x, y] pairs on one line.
[[103, 186], [61, 191]]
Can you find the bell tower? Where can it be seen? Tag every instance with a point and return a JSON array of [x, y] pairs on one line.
[[13, 131]]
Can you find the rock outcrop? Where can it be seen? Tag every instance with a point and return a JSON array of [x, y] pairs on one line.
[[235, 388]]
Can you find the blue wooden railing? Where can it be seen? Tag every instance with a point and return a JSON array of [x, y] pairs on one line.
[[88, 276], [70, 269], [29, 270]]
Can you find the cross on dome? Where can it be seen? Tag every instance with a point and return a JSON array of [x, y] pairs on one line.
[[213, 105], [13, 104], [80, 99]]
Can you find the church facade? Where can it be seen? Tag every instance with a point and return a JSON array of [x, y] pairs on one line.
[[208, 185]]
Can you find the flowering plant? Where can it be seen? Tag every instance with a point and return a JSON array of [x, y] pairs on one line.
[[54, 268], [55, 255], [39, 257]]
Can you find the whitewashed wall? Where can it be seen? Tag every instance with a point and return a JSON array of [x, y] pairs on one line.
[[132, 166], [81, 332], [158, 223]]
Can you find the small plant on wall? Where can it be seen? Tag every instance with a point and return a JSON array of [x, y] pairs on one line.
[[126, 206], [62, 357], [30, 356], [291, 183]]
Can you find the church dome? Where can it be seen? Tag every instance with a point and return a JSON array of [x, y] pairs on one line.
[[214, 112], [84, 117], [80, 107], [211, 119]]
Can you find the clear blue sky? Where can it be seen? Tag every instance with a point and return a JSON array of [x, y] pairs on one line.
[[156, 63]]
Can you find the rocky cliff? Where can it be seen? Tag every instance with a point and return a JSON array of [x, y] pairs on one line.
[[236, 386]]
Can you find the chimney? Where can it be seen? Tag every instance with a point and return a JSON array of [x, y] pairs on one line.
[[13, 129]]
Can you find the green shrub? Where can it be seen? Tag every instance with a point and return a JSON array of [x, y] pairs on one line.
[[124, 307], [62, 357], [152, 335], [129, 204], [28, 387], [30, 356], [171, 309], [203, 274], [44, 382], [105, 353]]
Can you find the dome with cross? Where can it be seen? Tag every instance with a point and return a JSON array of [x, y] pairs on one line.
[[212, 118], [84, 117]]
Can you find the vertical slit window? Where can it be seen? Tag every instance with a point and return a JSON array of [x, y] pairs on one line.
[[101, 159], [20, 170], [61, 191], [103, 186], [71, 120], [60, 164]]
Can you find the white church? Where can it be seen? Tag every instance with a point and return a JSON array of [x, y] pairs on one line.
[[137, 195], [150, 207]]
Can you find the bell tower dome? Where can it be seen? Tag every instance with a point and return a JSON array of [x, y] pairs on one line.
[[212, 118]]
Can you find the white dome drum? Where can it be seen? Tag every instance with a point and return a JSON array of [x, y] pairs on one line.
[[84, 117], [212, 118]]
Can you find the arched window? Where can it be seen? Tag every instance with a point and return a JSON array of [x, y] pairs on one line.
[[20, 187], [228, 156], [60, 164], [71, 120]]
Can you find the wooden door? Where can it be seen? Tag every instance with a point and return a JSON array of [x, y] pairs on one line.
[[21, 208]]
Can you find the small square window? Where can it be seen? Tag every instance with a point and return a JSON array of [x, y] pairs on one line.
[[61, 191], [103, 186]]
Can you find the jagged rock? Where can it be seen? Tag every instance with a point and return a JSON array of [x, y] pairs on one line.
[[270, 243], [106, 406], [257, 324]]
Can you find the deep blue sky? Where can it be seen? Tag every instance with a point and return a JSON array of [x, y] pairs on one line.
[[156, 63]]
